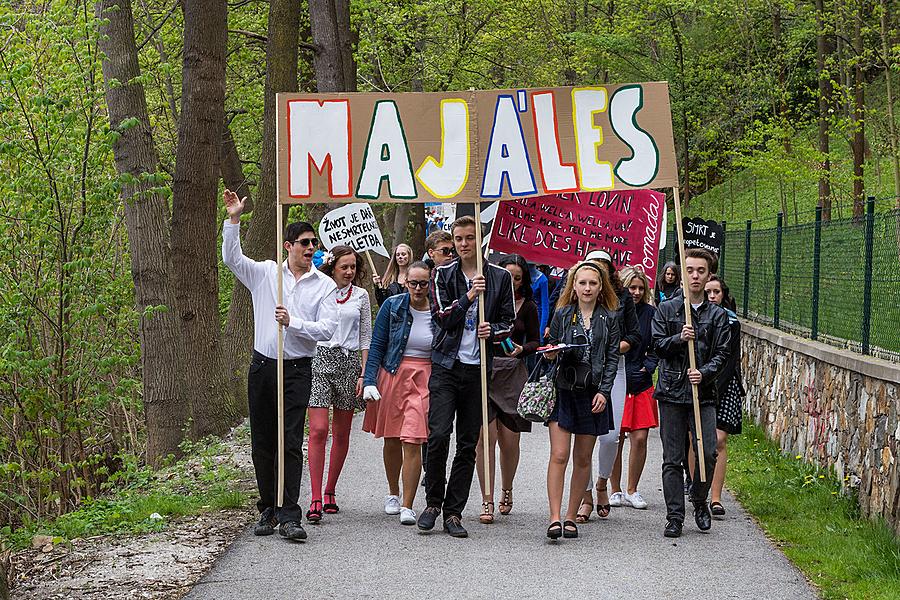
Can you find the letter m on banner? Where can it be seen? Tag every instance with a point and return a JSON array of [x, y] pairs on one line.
[[312, 143]]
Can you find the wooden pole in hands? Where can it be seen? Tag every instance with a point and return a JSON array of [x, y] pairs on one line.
[[279, 499], [371, 263], [692, 358], [482, 346]]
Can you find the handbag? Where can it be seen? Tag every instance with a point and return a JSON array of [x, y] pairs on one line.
[[538, 397]]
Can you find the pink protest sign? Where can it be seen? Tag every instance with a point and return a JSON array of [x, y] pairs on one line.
[[559, 230]]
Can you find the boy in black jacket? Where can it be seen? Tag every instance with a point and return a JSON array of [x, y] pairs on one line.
[[455, 383], [711, 335]]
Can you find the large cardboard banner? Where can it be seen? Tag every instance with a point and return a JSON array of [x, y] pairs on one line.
[[560, 230], [473, 146]]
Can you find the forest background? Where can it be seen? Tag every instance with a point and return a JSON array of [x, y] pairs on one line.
[[121, 335]]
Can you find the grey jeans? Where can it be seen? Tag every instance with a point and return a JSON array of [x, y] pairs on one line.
[[676, 420]]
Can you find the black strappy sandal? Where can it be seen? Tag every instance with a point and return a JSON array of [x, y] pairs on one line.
[[314, 515], [331, 508], [570, 529], [555, 531], [584, 517], [717, 509]]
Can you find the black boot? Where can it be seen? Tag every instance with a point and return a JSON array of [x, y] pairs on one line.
[[267, 523], [702, 515]]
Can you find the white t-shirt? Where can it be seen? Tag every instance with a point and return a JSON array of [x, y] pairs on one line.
[[469, 348], [418, 345]]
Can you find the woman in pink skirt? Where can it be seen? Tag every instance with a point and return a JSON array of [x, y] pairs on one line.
[[396, 388]]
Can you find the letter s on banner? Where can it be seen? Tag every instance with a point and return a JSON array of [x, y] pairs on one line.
[[312, 139], [641, 168]]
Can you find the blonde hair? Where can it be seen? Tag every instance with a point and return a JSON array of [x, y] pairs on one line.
[[629, 273], [607, 297], [392, 273]]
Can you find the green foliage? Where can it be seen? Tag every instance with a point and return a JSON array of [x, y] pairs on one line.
[[805, 510]]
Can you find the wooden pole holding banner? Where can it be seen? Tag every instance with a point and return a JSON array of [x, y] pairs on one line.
[[482, 347], [692, 359], [371, 263], [279, 499]]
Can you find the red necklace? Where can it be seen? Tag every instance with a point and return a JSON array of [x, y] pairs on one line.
[[347, 297]]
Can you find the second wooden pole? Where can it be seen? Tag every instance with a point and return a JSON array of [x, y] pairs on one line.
[[482, 346]]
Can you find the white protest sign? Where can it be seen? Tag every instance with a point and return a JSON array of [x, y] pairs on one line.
[[353, 225]]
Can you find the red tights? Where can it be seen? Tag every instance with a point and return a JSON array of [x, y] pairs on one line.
[[340, 444]]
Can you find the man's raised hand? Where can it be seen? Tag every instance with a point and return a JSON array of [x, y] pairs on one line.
[[233, 206]]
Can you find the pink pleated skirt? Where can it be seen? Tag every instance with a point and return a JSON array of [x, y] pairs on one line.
[[402, 411]]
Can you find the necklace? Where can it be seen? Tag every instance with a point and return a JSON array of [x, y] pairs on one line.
[[343, 300]]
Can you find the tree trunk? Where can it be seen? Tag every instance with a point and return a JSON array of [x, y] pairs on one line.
[[327, 33], [824, 106], [401, 221], [858, 145], [146, 220], [195, 216], [259, 241], [685, 128], [347, 40], [886, 47]]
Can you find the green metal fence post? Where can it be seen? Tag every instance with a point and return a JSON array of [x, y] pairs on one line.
[[817, 261], [867, 283], [747, 268], [722, 252], [779, 231]]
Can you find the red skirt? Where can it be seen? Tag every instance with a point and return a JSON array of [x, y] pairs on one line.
[[402, 411], [640, 411]]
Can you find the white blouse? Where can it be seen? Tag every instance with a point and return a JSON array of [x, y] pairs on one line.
[[354, 320]]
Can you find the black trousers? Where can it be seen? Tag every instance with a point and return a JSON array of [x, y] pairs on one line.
[[262, 392], [675, 421], [453, 393]]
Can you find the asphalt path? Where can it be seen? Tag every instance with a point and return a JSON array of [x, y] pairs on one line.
[[363, 553]]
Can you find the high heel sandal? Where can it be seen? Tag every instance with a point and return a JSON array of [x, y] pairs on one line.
[[506, 502], [582, 516], [487, 513], [314, 515], [554, 532], [331, 508], [570, 529]]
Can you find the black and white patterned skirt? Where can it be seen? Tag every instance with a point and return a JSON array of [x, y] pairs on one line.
[[334, 376], [728, 413]]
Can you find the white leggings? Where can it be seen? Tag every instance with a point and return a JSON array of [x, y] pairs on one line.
[[608, 444]]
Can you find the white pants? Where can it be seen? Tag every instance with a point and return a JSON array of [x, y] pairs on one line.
[[608, 444]]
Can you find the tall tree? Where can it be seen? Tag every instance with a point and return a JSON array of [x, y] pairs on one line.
[[824, 117], [146, 219], [858, 139]]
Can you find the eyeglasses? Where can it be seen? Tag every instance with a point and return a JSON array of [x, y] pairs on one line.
[[417, 284], [445, 251], [305, 242]]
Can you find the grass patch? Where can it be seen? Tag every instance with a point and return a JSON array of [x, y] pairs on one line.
[[141, 500], [819, 529]]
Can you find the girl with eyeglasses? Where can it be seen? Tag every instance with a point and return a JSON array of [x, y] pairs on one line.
[[396, 388], [584, 380], [394, 280], [337, 376]]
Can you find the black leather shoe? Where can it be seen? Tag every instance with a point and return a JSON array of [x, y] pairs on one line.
[[267, 523], [292, 530], [702, 516], [673, 529], [428, 517], [453, 526]]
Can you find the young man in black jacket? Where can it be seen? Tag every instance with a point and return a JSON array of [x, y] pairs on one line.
[[455, 384], [711, 334]]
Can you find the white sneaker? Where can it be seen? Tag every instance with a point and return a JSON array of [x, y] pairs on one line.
[[617, 499], [392, 505], [407, 516], [635, 500]]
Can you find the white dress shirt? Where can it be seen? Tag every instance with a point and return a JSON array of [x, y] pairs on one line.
[[354, 320], [305, 298]]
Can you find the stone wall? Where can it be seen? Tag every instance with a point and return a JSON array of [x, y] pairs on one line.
[[835, 408]]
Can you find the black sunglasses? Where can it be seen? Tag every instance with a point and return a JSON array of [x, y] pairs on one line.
[[305, 242], [417, 284], [446, 251]]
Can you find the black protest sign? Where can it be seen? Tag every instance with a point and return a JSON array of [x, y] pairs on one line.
[[703, 234]]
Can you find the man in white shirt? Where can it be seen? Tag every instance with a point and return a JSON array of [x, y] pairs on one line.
[[307, 321]]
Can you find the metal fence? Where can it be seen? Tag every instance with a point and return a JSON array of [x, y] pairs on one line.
[[834, 281]]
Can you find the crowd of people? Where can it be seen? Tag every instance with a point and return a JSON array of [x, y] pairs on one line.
[[597, 332]]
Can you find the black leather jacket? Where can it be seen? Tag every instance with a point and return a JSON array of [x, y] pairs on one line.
[[450, 301], [712, 347], [604, 344], [626, 314]]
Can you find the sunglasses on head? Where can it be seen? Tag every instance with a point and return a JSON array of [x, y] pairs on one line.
[[305, 242], [417, 284]]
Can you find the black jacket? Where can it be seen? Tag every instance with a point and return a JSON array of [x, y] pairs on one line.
[[450, 301], [393, 289], [640, 356], [732, 366], [604, 344], [629, 329], [712, 347]]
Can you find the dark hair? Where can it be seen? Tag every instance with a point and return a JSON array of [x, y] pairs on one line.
[[514, 259], [436, 237], [339, 252], [464, 221], [711, 262], [661, 278], [727, 299], [419, 264], [294, 230]]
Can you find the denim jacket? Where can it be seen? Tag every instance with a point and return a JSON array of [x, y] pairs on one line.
[[389, 335]]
